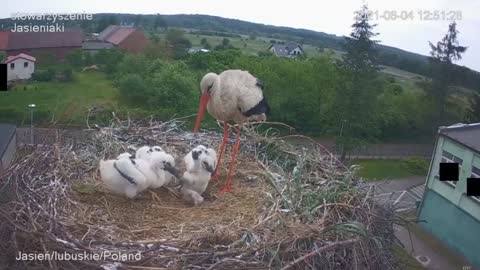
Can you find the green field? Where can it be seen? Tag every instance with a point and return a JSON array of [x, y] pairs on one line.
[[376, 170], [247, 44], [61, 102]]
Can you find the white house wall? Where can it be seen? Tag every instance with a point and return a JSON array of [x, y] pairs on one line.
[[19, 71]]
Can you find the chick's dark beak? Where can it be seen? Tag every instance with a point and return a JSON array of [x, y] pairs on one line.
[[169, 168], [195, 155], [209, 168]]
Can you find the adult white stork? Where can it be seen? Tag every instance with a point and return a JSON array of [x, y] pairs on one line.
[[233, 95]]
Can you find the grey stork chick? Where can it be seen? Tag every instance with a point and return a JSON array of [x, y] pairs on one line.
[[200, 164]]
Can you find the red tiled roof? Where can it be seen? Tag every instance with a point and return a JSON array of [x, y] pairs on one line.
[[119, 35], [22, 55], [116, 34], [107, 31], [33, 40], [3, 40]]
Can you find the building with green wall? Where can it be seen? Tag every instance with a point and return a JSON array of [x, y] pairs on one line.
[[450, 214]]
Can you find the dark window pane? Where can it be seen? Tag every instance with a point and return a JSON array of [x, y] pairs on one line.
[[447, 155], [476, 170], [458, 160]]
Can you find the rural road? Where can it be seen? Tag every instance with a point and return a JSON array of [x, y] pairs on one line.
[[403, 194]]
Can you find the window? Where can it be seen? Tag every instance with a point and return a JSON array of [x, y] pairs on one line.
[[12, 65], [25, 64], [451, 158], [475, 174]]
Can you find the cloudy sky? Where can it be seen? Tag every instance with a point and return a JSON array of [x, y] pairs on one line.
[[334, 17]]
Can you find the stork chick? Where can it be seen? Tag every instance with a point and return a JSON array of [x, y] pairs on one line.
[[233, 95], [121, 176], [200, 164], [164, 165], [145, 152]]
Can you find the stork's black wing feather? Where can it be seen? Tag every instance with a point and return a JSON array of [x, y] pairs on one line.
[[261, 107]]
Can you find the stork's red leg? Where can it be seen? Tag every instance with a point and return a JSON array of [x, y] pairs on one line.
[[222, 148], [227, 187]]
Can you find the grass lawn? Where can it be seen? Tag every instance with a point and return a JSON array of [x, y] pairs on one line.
[[375, 170], [65, 102]]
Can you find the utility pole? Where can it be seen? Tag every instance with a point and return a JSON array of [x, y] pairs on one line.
[[31, 106]]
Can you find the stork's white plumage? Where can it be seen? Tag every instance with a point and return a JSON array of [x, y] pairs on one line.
[[200, 164], [157, 148], [121, 176], [233, 95], [124, 155], [129, 176], [164, 165], [143, 152]]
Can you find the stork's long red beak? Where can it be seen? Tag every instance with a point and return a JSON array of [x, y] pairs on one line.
[[201, 109]]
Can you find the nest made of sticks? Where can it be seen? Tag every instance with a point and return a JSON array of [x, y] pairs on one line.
[[292, 206]]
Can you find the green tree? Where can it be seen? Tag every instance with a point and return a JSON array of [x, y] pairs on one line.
[[105, 21], [355, 106], [132, 89], [75, 58], [109, 59], [226, 42], [159, 22], [87, 59], [138, 20], [475, 108], [203, 41], [180, 44], [154, 38], [443, 54]]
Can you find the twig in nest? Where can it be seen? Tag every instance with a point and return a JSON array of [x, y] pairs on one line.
[[321, 249]]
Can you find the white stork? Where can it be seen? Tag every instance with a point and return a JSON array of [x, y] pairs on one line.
[[234, 95]]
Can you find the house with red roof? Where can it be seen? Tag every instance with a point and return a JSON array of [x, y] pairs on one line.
[[20, 67], [126, 38], [41, 44]]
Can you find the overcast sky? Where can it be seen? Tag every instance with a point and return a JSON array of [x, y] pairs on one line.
[[334, 17]]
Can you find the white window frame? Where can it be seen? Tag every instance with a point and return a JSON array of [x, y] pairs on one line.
[[477, 175], [454, 159]]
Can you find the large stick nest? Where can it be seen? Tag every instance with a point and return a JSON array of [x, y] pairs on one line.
[[292, 207]]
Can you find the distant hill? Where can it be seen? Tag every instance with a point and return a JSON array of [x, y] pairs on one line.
[[389, 56]]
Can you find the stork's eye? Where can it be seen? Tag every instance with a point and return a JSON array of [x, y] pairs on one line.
[[164, 162], [209, 88], [205, 163]]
